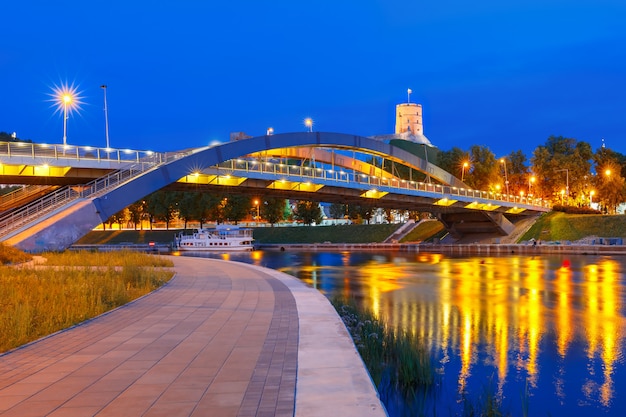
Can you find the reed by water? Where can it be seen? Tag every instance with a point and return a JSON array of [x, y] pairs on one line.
[[40, 298]]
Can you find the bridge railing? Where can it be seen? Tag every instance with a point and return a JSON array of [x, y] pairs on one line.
[[46, 152], [69, 194], [341, 175]]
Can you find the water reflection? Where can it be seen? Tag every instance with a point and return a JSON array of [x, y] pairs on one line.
[[549, 326]]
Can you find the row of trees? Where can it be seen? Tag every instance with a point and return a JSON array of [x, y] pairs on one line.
[[203, 207], [562, 170]]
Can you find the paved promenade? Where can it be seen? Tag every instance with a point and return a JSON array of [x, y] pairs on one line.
[[221, 339]]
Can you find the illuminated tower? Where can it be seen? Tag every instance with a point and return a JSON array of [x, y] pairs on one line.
[[409, 119]]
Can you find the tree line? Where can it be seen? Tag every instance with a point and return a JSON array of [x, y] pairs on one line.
[[563, 170], [203, 207]]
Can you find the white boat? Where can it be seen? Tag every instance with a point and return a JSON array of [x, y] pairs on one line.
[[221, 238]]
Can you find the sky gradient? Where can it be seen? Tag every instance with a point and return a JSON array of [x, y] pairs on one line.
[[502, 74]]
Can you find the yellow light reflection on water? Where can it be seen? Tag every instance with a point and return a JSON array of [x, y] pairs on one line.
[[603, 319], [497, 309]]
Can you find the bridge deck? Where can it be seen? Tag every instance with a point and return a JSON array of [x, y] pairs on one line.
[[221, 339]]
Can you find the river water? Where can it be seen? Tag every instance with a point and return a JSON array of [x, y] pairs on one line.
[[545, 335]]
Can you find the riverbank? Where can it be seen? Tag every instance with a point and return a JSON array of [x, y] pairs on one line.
[[456, 249]]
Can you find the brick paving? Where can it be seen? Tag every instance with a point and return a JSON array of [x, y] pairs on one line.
[[221, 339]]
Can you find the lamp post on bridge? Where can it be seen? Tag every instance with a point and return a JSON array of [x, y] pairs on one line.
[[106, 117], [465, 165], [308, 122]]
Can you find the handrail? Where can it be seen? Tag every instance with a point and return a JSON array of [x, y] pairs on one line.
[[69, 194], [48, 152], [20, 193], [341, 175]]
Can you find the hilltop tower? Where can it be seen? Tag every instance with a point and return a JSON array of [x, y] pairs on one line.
[[409, 119]]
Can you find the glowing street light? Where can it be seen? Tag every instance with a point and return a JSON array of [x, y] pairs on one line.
[[67, 99], [591, 193], [465, 165], [506, 177], [270, 131], [258, 209], [308, 122], [531, 181]]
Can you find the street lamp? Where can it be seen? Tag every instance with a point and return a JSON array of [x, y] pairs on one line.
[[465, 165], [308, 122], [270, 131], [531, 181], [258, 209], [66, 98], [506, 177], [106, 116], [67, 101], [591, 193], [566, 181]]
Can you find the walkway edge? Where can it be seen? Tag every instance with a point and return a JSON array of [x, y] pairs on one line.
[[332, 378]]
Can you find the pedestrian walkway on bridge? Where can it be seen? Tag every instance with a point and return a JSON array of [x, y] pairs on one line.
[[220, 339]]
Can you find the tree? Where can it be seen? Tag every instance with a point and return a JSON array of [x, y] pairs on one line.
[[485, 172], [119, 218], [337, 210], [273, 210], [360, 213], [188, 206], [452, 161], [517, 172], [237, 207], [562, 166], [137, 212], [308, 212], [161, 205]]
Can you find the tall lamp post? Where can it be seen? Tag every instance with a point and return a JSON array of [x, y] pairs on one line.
[[465, 165], [591, 193], [308, 122], [566, 182], [531, 181], [67, 101], [258, 209], [106, 116], [506, 176]]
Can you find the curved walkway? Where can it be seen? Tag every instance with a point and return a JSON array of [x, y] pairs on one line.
[[221, 339]]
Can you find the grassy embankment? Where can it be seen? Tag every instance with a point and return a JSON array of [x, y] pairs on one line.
[[553, 226], [355, 233], [70, 287], [558, 226]]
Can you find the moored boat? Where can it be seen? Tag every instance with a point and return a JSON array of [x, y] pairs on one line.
[[221, 238]]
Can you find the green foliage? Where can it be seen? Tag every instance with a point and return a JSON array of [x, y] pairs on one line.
[[237, 207], [352, 233], [337, 210], [559, 226], [308, 212], [274, 210]]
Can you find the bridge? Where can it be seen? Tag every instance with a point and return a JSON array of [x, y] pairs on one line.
[[72, 189]]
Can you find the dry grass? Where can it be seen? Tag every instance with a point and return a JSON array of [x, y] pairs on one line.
[[71, 287]]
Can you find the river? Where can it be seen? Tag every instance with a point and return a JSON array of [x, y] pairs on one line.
[[543, 334]]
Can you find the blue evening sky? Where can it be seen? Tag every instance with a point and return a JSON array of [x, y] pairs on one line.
[[503, 74]]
